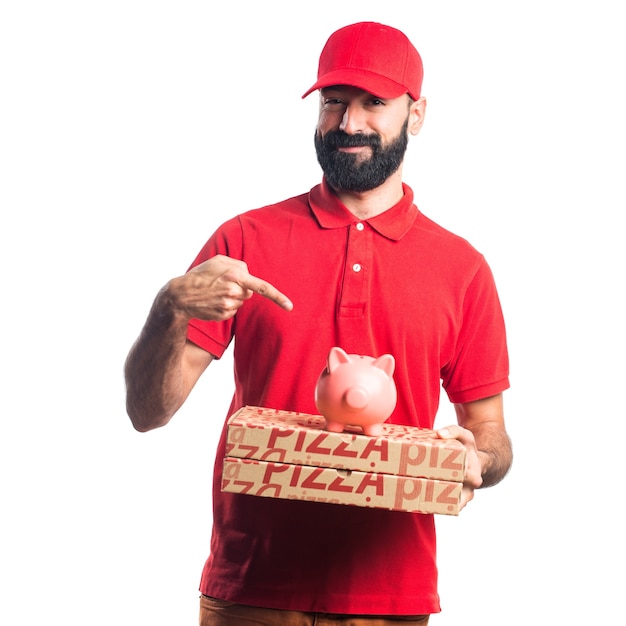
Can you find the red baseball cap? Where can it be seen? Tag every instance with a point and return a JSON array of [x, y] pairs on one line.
[[376, 58]]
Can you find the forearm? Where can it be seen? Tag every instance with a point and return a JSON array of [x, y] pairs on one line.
[[485, 419], [155, 387], [494, 451]]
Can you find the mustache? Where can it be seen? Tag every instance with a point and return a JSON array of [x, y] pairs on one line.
[[340, 139]]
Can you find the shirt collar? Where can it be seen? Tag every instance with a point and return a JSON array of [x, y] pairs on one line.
[[392, 223]]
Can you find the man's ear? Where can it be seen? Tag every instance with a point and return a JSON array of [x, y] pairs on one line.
[[417, 112]]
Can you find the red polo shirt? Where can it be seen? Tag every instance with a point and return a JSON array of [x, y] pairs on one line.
[[397, 283]]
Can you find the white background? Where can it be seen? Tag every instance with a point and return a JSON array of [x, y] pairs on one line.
[[131, 129]]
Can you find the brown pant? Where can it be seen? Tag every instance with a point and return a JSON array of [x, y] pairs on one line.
[[223, 613]]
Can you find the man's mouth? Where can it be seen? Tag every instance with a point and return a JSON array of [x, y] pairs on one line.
[[355, 149]]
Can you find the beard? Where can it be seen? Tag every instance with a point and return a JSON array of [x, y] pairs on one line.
[[351, 172]]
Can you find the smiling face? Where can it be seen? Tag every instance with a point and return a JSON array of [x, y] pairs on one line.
[[361, 139]]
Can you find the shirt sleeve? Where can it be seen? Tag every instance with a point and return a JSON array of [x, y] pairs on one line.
[[480, 365]]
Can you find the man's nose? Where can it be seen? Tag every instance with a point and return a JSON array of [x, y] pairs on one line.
[[353, 120]]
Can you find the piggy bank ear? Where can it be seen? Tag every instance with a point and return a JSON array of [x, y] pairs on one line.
[[336, 357], [387, 363]]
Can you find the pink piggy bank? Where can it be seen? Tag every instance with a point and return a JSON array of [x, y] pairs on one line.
[[356, 390]]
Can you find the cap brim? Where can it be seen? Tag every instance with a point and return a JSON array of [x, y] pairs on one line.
[[377, 85]]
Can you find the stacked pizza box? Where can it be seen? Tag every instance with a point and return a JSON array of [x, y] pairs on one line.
[[284, 454]]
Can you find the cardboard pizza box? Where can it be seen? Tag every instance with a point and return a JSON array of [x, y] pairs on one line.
[[279, 436], [340, 486]]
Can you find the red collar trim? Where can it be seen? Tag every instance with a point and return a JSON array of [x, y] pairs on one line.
[[393, 223]]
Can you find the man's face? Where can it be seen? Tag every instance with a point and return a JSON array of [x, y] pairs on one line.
[[360, 139]]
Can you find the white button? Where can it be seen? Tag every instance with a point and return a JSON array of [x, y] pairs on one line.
[[360, 226], [356, 267]]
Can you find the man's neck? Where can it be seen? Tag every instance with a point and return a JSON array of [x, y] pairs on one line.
[[368, 204]]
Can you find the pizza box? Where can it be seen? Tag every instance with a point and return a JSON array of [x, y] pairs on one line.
[[340, 486], [278, 436]]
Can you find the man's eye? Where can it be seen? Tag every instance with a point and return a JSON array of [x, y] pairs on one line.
[[333, 104]]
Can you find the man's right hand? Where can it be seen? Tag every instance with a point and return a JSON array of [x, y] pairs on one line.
[[217, 288], [163, 366]]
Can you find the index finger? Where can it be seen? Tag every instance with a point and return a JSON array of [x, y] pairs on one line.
[[267, 290]]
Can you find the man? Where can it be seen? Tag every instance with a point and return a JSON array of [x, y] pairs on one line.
[[353, 263]]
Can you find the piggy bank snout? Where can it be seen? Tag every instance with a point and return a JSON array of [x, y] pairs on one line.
[[357, 397]]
